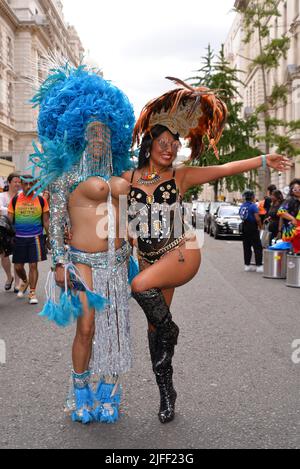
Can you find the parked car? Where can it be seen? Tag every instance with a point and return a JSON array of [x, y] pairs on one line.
[[198, 214], [210, 211], [226, 222]]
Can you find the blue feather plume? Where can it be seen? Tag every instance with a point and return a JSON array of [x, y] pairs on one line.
[[69, 99]]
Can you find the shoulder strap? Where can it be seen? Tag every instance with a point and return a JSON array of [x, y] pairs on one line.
[[14, 201], [42, 202], [174, 173], [132, 177]]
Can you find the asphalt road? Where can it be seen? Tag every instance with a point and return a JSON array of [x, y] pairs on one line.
[[237, 384]]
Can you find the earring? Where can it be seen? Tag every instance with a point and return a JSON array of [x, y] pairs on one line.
[[148, 155]]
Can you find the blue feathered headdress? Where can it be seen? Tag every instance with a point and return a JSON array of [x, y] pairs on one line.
[[69, 99]]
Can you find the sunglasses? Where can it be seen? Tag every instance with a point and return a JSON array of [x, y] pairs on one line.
[[296, 190], [165, 144]]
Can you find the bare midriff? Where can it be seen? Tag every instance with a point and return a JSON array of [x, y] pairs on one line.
[[89, 215]]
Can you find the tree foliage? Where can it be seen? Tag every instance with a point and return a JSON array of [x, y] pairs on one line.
[[277, 132], [217, 74]]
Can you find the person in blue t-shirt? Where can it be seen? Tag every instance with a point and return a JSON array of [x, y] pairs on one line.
[[252, 225]]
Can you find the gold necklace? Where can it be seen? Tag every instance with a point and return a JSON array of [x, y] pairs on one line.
[[148, 178]]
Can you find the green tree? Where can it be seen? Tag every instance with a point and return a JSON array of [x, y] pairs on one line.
[[276, 132], [216, 73]]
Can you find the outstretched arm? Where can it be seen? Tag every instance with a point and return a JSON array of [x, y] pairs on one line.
[[196, 176]]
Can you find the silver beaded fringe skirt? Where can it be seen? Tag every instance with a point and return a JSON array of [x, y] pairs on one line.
[[112, 346]]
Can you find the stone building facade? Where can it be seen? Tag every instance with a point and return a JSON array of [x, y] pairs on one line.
[[238, 54], [28, 30]]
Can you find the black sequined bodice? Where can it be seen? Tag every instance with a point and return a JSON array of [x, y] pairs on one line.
[[157, 217]]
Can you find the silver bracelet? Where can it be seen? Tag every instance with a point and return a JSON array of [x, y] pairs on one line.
[[264, 161]]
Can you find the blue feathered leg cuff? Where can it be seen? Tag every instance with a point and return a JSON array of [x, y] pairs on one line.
[[84, 399], [108, 399]]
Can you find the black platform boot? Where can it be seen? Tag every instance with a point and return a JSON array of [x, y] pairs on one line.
[[162, 352], [162, 343]]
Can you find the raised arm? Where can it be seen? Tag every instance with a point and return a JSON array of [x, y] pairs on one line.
[[195, 176]]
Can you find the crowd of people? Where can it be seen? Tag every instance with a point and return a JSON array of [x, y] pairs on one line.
[[85, 128], [275, 216]]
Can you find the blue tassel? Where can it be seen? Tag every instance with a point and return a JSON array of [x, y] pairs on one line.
[[108, 410], [77, 306], [54, 313], [84, 404], [133, 269], [96, 301]]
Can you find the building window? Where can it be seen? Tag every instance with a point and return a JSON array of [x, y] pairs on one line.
[[10, 100], [6, 158], [1, 143], [9, 50], [297, 8], [1, 45], [285, 19], [10, 146], [296, 60], [276, 29]]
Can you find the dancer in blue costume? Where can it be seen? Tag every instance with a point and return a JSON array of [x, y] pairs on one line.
[[85, 126]]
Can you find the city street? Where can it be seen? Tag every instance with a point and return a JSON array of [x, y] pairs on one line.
[[237, 384]]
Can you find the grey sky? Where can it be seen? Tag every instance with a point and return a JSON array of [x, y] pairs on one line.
[[137, 43]]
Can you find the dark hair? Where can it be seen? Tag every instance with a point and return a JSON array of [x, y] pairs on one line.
[[292, 184], [12, 176], [272, 188], [278, 195], [248, 195], [147, 142]]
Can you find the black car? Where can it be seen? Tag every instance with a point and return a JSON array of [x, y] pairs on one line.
[[210, 212], [226, 222]]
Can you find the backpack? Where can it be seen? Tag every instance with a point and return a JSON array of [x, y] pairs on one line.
[[41, 200], [7, 234]]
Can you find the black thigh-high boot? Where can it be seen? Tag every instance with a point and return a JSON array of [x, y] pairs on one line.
[[162, 342]]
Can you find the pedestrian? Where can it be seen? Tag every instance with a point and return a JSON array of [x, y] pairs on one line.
[[290, 214], [14, 186], [81, 163], [273, 221], [29, 215], [268, 198], [156, 207], [251, 227]]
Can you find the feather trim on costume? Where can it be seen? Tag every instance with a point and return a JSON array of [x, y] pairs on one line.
[[191, 112], [69, 99]]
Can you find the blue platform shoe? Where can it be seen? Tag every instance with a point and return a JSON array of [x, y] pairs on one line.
[[84, 399], [108, 398]]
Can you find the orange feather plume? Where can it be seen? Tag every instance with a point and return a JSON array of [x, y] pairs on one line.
[[192, 112]]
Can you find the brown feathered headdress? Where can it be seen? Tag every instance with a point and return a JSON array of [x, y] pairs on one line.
[[188, 111]]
